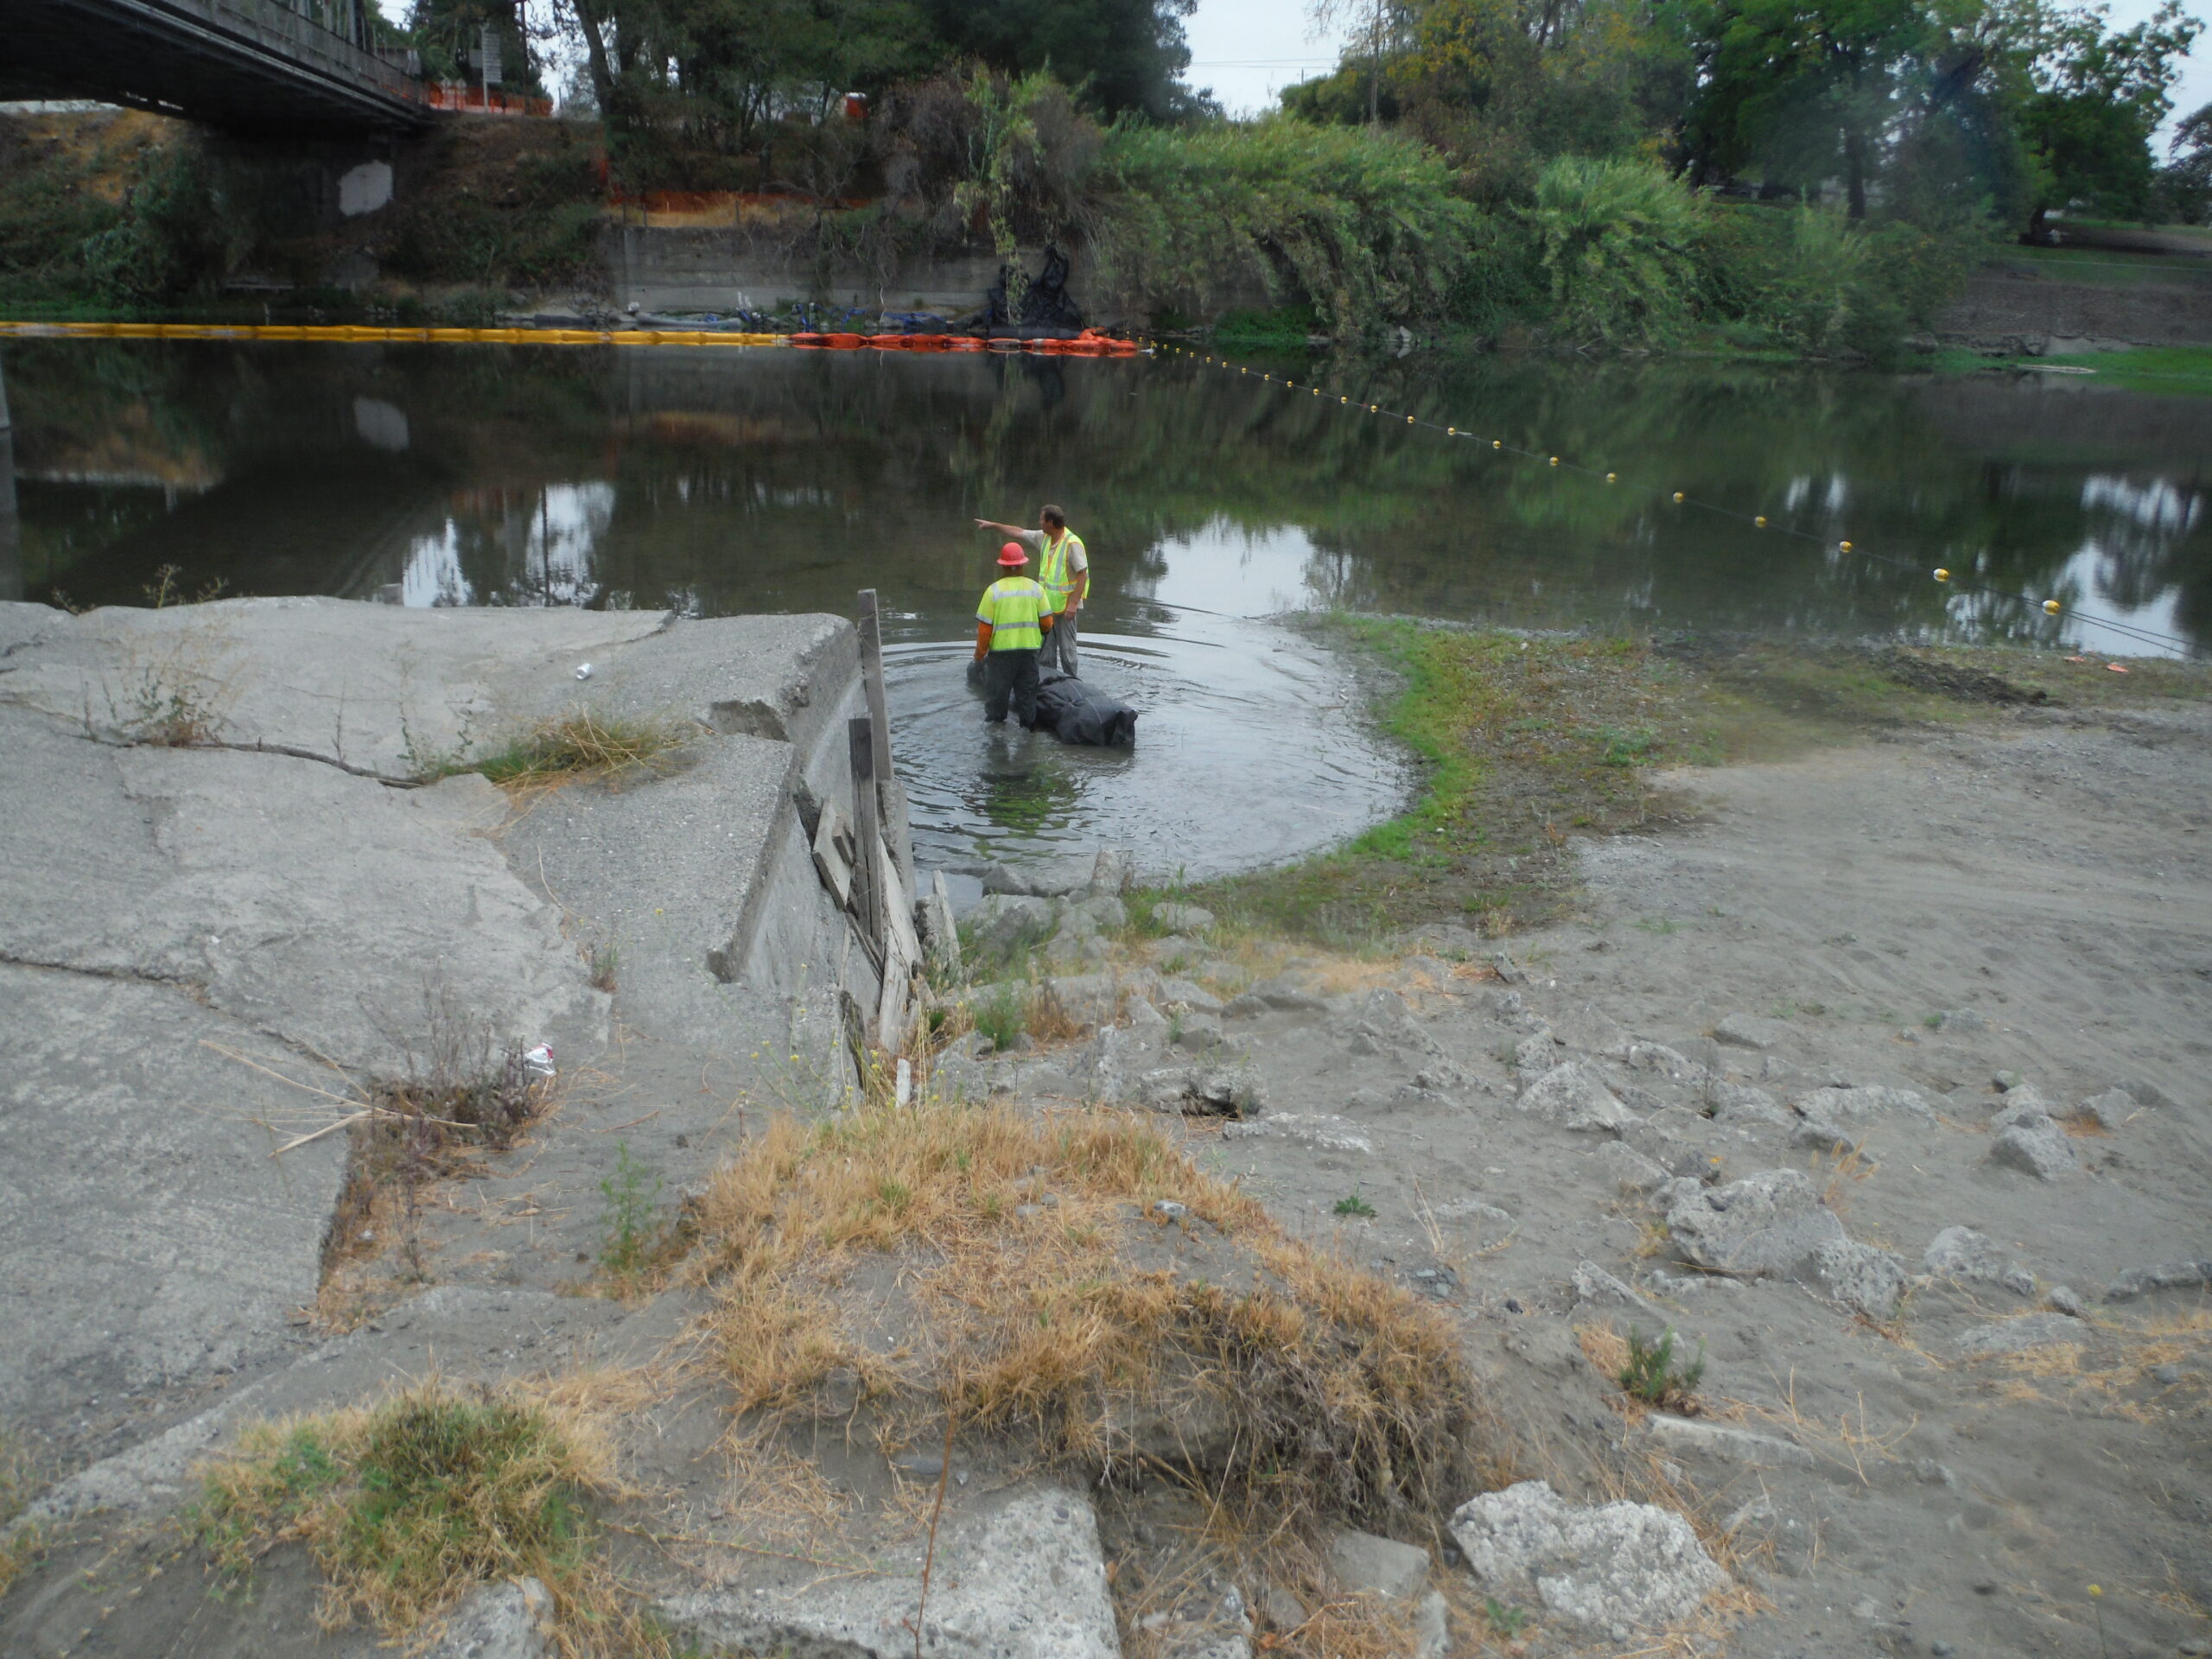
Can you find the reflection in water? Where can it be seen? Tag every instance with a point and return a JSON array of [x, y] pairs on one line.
[[540, 544], [784, 482]]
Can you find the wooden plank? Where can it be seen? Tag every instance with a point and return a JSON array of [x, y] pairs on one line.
[[898, 991], [898, 907], [871, 632], [868, 902], [830, 863]]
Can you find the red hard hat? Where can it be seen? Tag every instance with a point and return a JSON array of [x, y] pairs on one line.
[[1013, 553]]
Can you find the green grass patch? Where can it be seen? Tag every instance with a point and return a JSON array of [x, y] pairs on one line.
[[407, 1503], [1527, 743], [1524, 743], [2177, 371]]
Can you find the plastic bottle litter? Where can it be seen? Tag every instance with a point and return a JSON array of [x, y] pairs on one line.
[[538, 1061], [583, 671]]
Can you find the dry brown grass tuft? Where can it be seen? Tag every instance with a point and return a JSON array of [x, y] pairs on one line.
[[1009, 1268]]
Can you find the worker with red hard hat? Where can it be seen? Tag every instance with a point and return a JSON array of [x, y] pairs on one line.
[[1011, 624]]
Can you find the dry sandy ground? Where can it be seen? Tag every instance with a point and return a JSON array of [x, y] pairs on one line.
[[2049, 873]]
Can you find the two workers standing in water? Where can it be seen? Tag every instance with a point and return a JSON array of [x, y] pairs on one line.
[[1023, 624]]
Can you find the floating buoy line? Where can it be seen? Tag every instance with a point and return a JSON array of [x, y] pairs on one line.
[[2051, 606]]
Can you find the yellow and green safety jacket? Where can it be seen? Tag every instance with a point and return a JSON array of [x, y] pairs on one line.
[[1052, 568], [1012, 606]]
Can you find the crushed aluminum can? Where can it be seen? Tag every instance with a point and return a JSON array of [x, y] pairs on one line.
[[538, 1061], [583, 671]]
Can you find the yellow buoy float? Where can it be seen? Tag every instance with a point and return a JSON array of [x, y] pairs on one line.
[[1612, 478], [1843, 547], [1760, 521], [2051, 604], [1942, 575], [1678, 498]]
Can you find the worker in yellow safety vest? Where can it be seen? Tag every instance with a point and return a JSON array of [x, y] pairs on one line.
[[1011, 625], [1063, 571]]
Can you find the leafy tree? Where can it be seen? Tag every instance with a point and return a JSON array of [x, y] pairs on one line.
[[1123, 56], [1803, 94], [2096, 99], [2184, 186]]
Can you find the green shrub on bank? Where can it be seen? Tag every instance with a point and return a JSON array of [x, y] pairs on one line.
[[1616, 240], [1360, 224]]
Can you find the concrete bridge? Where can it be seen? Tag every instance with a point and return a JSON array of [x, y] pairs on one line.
[[258, 66]]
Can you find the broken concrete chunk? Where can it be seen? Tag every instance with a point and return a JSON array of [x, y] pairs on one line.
[[1818, 1135], [1670, 1063], [1687, 1437], [2166, 1275], [1861, 1277], [2017, 1336], [1737, 1102], [1021, 1579], [1597, 1288], [1319, 1130], [1841, 1105], [1112, 871], [1576, 1098], [1767, 1224], [1277, 995], [1749, 1031], [1962, 1253], [512, 1620], [1613, 1569], [2039, 1148], [1183, 919], [2108, 1111], [1004, 923], [1626, 1170], [1362, 1564]]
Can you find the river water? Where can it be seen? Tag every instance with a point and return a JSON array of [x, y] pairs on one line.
[[731, 480]]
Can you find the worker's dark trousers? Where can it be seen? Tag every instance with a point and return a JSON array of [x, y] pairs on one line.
[[1011, 675], [1060, 646]]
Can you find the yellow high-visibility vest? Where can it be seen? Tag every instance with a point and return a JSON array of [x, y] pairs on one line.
[[1012, 605], [1052, 568]]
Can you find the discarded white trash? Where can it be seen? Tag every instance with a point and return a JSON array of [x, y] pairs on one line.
[[538, 1061], [583, 671]]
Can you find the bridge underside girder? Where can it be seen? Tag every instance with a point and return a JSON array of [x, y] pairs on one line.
[[249, 66]]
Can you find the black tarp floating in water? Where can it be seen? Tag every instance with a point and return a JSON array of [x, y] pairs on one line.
[[1076, 713]]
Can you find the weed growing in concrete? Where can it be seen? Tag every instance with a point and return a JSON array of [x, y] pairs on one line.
[[407, 1503], [582, 742], [605, 961], [457, 1098], [1652, 1375], [630, 1228]]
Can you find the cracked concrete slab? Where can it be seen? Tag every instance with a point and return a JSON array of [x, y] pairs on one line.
[[147, 1238]]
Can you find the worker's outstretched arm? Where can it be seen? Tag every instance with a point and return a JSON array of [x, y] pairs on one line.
[[982, 641], [1026, 537]]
